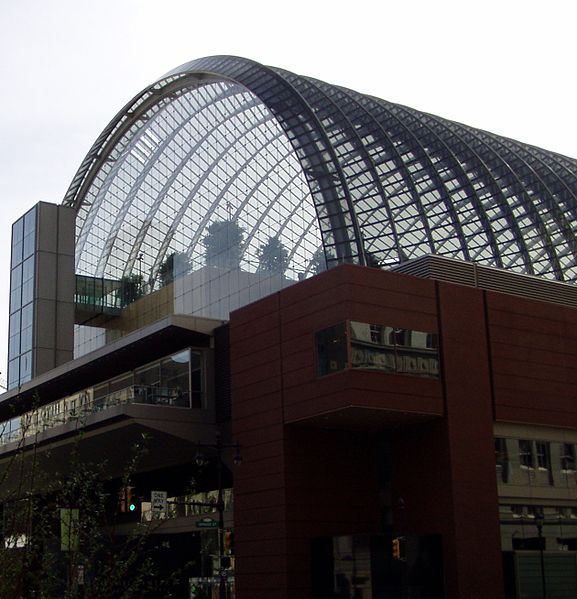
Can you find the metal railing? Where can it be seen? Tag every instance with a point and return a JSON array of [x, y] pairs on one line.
[[78, 407]]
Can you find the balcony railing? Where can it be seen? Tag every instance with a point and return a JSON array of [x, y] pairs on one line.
[[78, 407]]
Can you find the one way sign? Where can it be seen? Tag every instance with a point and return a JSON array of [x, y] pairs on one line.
[[158, 499]]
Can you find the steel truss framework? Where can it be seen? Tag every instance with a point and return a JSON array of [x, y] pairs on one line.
[[315, 166]]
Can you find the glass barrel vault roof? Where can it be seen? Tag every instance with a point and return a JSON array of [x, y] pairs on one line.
[[322, 169]]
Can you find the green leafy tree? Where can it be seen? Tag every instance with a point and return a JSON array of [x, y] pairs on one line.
[[60, 531], [223, 244], [318, 262], [273, 256], [372, 260], [175, 265], [131, 288]]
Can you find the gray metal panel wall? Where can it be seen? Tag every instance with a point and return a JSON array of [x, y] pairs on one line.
[[54, 287]]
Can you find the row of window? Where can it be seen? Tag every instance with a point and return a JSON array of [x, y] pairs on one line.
[[534, 527], [22, 277], [377, 347], [517, 458]]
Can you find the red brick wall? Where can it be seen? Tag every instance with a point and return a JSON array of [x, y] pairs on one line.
[[534, 356], [469, 430], [298, 482], [260, 497]]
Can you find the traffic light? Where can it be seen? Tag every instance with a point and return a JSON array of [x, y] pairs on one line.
[[399, 548], [132, 500], [129, 502], [228, 544]]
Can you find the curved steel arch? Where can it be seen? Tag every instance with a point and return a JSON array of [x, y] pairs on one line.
[[156, 205], [337, 135], [483, 161]]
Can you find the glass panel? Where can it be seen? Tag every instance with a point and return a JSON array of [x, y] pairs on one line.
[[18, 231], [26, 367], [502, 460], [28, 280], [120, 383], [526, 459], [147, 384], [568, 456], [27, 314], [14, 324], [29, 244], [26, 339], [373, 346], [394, 349], [175, 391], [13, 373], [196, 380], [16, 253], [175, 379], [14, 346], [331, 347], [209, 191], [30, 222]]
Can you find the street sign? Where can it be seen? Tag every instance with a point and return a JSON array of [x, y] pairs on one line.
[[206, 523], [158, 500]]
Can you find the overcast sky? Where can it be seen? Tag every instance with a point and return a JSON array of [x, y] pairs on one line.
[[67, 67]]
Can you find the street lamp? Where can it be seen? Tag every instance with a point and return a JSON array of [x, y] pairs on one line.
[[539, 521], [219, 447]]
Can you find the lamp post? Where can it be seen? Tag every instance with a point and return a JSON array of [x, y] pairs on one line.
[[539, 521], [219, 447]]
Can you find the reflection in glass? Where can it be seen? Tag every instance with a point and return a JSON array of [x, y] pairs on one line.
[[526, 458], [568, 457], [394, 349], [535, 463], [502, 460], [192, 196], [331, 347], [377, 347], [176, 381], [21, 298]]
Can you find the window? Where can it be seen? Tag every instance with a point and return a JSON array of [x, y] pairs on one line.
[[175, 380], [21, 297], [376, 333], [331, 349], [394, 349], [526, 458], [502, 459], [400, 337], [568, 456], [543, 455]]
